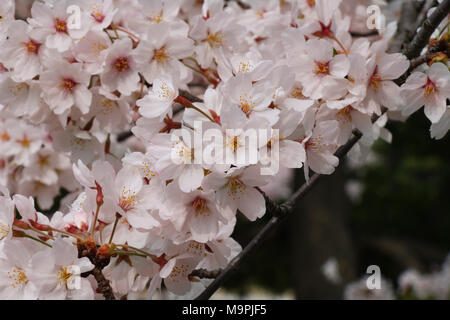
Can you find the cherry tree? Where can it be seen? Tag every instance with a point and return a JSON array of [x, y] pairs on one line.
[[162, 120]]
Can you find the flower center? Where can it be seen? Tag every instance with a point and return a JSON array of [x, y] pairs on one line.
[[215, 39], [430, 88], [68, 85], [32, 47], [245, 67], [63, 276], [4, 230], [232, 143], [25, 142], [98, 47], [345, 115], [157, 18], [17, 277], [16, 89], [247, 105], [107, 106], [322, 68], [43, 161], [235, 188], [185, 155], [200, 206], [5, 136], [164, 92], [128, 199], [297, 93], [161, 55], [314, 144], [60, 25], [121, 64], [375, 79]]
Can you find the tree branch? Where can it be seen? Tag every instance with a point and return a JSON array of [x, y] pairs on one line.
[[430, 24]]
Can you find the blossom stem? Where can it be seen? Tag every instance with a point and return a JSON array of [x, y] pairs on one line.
[[187, 104], [199, 71], [118, 216], [113, 26], [42, 233], [130, 253], [37, 240], [135, 37], [340, 45], [151, 256], [95, 218]]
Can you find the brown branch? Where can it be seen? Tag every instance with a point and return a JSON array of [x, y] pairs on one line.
[[104, 286], [430, 24], [187, 95], [90, 250], [205, 274]]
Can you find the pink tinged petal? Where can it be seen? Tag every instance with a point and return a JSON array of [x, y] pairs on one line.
[[292, 154], [59, 41], [150, 107], [322, 163], [167, 269], [191, 178], [392, 66], [320, 50], [389, 95], [413, 101], [83, 99], [298, 105], [435, 107], [440, 129], [252, 204], [415, 81], [340, 66]]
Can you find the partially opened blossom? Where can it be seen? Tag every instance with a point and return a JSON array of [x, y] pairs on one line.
[[158, 102]]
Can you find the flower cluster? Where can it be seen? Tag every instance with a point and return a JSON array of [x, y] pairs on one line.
[[77, 74]]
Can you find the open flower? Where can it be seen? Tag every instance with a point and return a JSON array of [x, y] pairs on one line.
[[65, 86], [430, 89]]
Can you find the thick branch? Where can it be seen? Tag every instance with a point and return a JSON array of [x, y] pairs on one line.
[[104, 286], [430, 24]]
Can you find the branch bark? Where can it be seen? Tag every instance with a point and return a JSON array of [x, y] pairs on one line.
[[430, 24]]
